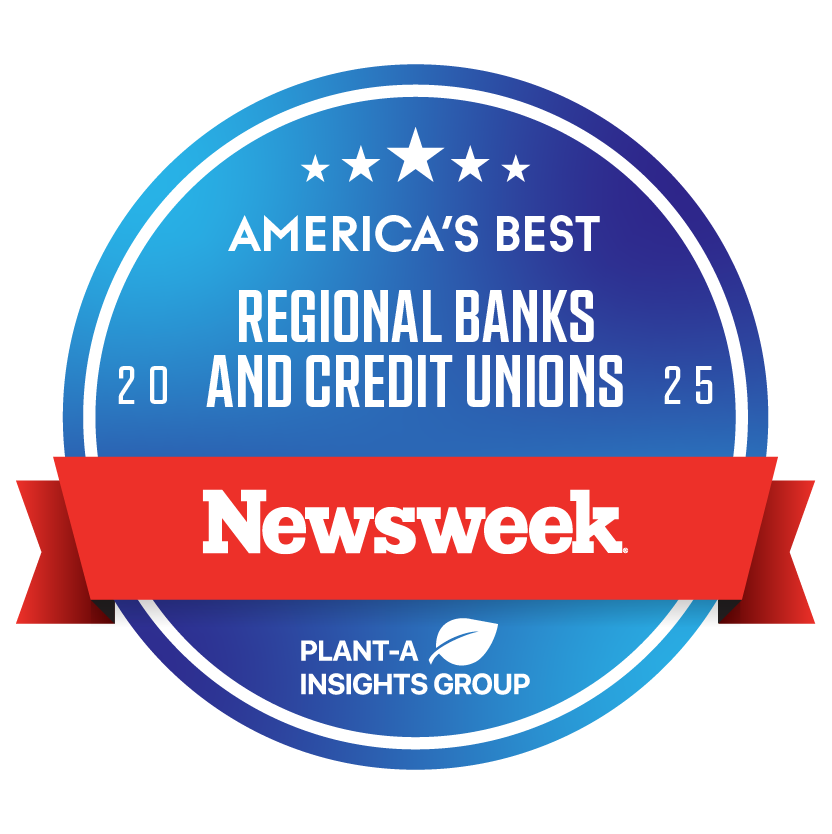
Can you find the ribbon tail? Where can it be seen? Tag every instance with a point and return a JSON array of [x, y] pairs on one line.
[[773, 592], [58, 591]]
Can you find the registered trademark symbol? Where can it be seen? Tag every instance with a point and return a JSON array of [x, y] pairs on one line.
[[625, 549]]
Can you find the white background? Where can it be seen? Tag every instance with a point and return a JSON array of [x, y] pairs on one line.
[[98, 97]]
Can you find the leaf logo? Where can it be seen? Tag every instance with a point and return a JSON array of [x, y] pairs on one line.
[[463, 642]]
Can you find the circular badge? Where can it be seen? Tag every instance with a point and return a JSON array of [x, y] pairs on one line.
[[407, 264]]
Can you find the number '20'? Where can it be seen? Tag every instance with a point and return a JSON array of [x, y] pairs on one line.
[[158, 384]]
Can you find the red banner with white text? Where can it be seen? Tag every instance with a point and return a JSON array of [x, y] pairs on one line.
[[415, 528]]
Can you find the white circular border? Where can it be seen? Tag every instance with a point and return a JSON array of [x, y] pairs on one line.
[[374, 94]]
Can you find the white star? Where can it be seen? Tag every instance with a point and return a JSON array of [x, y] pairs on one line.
[[470, 165], [315, 169], [415, 157], [361, 165], [515, 169]]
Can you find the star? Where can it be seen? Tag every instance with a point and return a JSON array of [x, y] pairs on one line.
[[415, 157], [515, 169], [315, 169], [361, 165], [470, 165]]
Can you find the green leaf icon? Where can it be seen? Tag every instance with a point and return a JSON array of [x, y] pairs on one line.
[[463, 642]]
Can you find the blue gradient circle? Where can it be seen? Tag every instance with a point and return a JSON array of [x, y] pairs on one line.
[[166, 289]]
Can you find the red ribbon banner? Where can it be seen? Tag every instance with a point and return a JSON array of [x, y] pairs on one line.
[[415, 528]]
